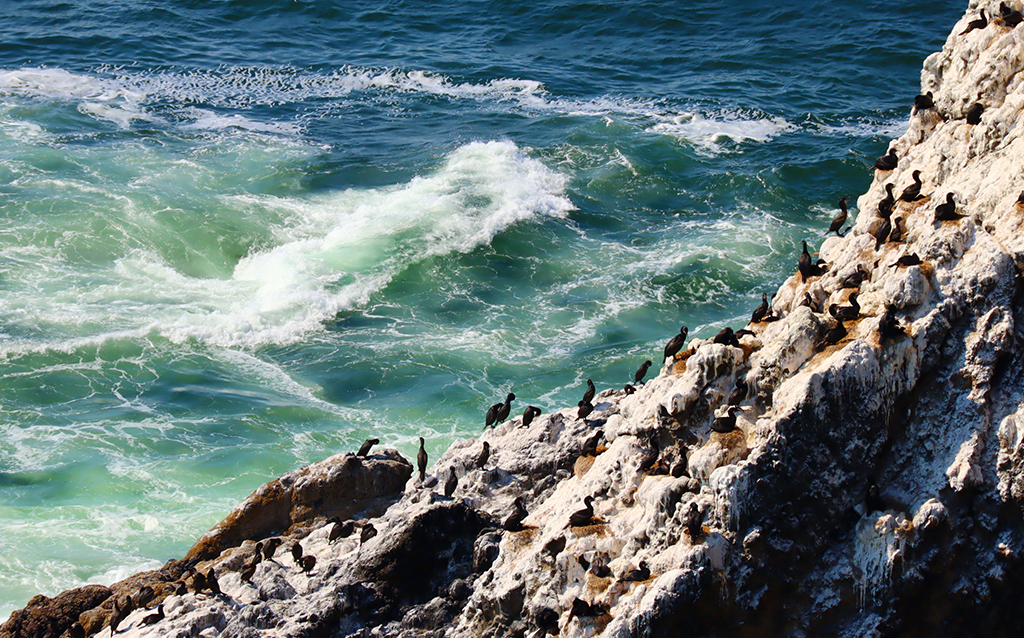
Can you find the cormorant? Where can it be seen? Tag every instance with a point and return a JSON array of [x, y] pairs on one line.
[[882, 232], [341, 530], [421, 461], [641, 372], [888, 326], [591, 392], [923, 102], [676, 343], [1009, 17], [912, 193], [856, 278], [727, 337], [638, 574], [529, 414], [907, 260], [269, 547], [760, 311], [307, 563], [846, 313], [834, 335], [451, 483], [740, 393], [119, 614], [364, 449], [978, 23], [726, 422], [485, 453], [505, 409], [974, 113], [584, 516], [885, 206], [492, 415], [839, 220], [584, 410], [368, 532], [296, 551], [514, 521], [888, 161], [947, 212], [806, 267], [153, 618], [896, 234]]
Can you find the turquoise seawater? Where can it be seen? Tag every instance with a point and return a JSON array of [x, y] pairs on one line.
[[239, 236]]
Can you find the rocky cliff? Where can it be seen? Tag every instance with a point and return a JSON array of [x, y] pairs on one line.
[[872, 484]]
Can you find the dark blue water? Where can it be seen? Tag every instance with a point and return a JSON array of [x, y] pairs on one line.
[[237, 237]]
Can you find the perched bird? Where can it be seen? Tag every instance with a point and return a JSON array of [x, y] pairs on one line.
[[119, 614], [585, 609], [856, 278], [637, 575], [341, 530], [974, 113], [692, 520], [978, 23], [727, 337], [364, 449], [590, 445], [846, 313], [76, 630], [806, 266], [296, 551], [882, 232], [211, 582], [451, 483], [368, 532], [506, 408], [923, 102], [247, 572], [641, 372], [584, 410], [144, 596], [947, 212], [492, 415], [839, 220], [307, 563], [269, 547], [1009, 17], [676, 343], [760, 311], [514, 521], [180, 589], [896, 234], [834, 335], [588, 396], [888, 326], [584, 516], [600, 570], [727, 422], [153, 618], [421, 461], [885, 206], [912, 193], [811, 303], [740, 393], [629, 389], [529, 414], [888, 161], [546, 620], [485, 453], [907, 260]]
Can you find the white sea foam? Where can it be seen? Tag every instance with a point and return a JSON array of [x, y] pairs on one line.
[[708, 133]]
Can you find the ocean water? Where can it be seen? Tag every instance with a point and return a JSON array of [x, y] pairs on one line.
[[237, 237]]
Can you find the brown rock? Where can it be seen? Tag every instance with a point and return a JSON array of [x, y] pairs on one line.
[[55, 614], [342, 485]]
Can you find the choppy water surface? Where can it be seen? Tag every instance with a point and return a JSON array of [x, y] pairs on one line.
[[237, 237]]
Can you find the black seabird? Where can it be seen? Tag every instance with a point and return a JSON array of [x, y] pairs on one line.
[[341, 530], [834, 335], [882, 232], [584, 410], [692, 520], [584, 516], [846, 313], [629, 389], [451, 483], [856, 278], [974, 113], [978, 23], [638, 574], [923, 102], [76, 630], [896, 234], [947, 212], [888, 161], [806, 267], [811, 303], [269, 547], [583, 608], [641, 372], [211, 582], [514, 521], [364, 449], [907, 260], [505, 409], [1009, 17], [144, 596], [485, 453], [727, 422], [154, 618], [307, 563], [492, 415], [888, 326], [740, 393], [368, 532], [590, 445], [912, 193], [760, 311], [839, 220], [421, 461], [885, 206], [546, 620], [600, 570], [119, 614], [676, 343], [296, 552], [529, 414], [727, 337], [591, 392]]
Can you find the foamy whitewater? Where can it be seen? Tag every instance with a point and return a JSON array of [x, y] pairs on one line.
[[237, 239]]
